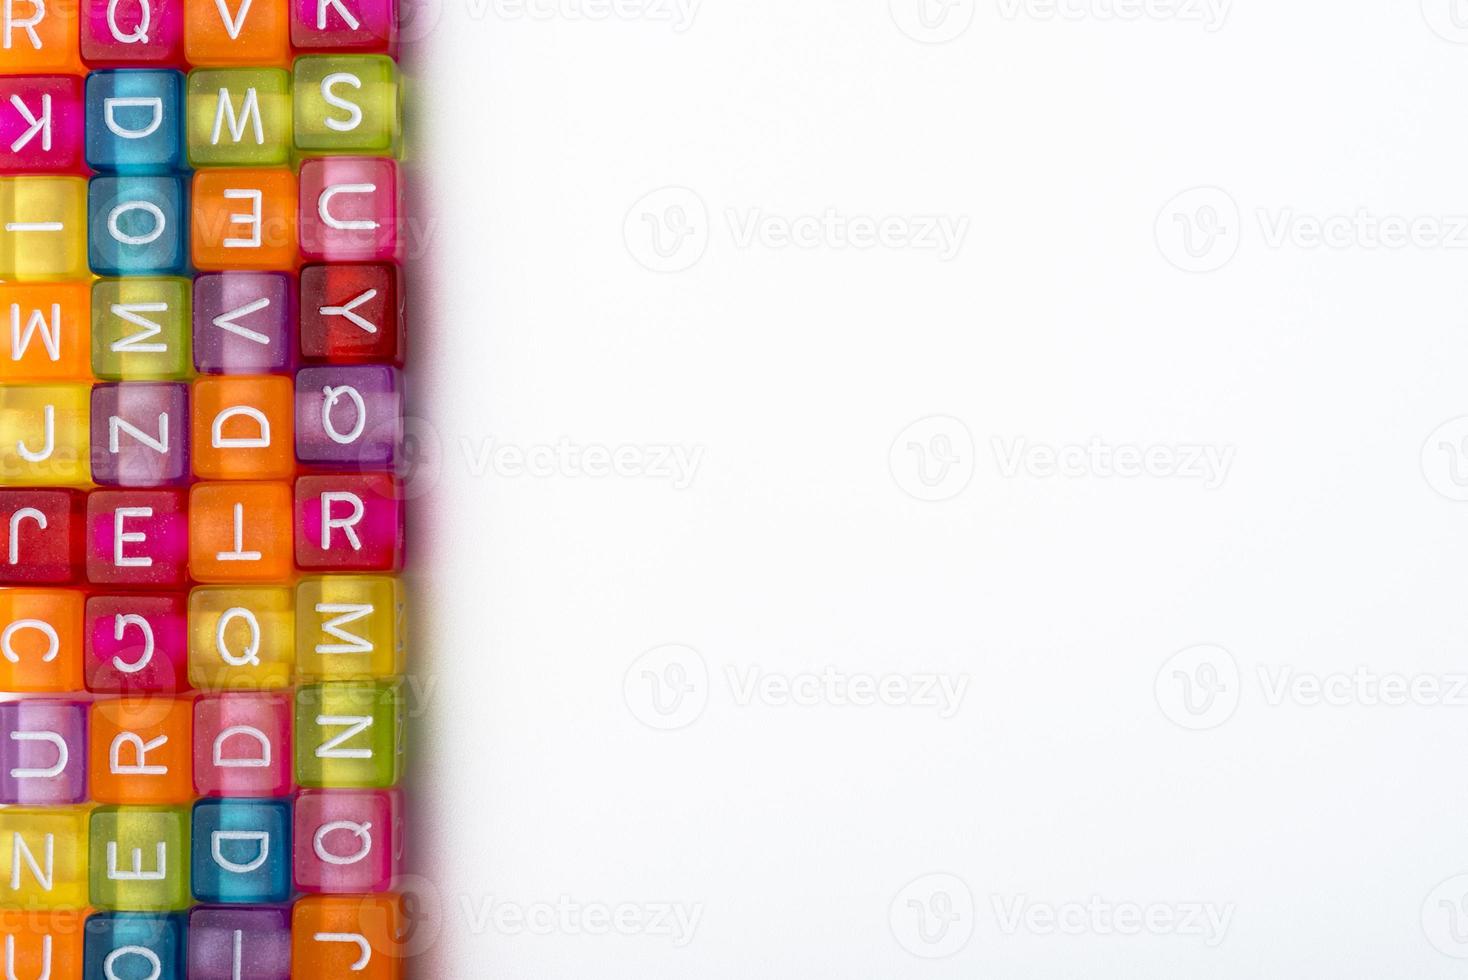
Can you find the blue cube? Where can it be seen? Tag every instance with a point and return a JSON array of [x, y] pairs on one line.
[[138, 226], [135, 121], [241, 851], [133, 946]]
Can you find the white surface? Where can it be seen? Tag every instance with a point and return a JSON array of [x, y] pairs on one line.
[[1072, 768]]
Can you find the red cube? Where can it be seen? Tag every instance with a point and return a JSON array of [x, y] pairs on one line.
[[349, 522], [138, 537], [41, 536], [352, 314]]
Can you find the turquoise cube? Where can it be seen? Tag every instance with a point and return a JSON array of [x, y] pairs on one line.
[[241, 851], [138, 226], [135, 121], [133, 946]]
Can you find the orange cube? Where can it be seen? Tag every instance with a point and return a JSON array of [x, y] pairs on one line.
[[141, 750], [40, 36], [41, 640], [45, 331], [244, 428], [240, 532], [43, 943], [360, 936], [256, 33], [244, 219]]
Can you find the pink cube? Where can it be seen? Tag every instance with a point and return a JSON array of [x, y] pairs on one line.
[[349, 209], [42, 128], [242, 745], [137, 643], [347, 841], [357, 26], [137, 537], [349, 522], [128, 33]]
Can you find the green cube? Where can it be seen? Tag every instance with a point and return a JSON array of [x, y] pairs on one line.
[[346, 104], [138, 859], [348, 735], [141, 328], [239, 117]]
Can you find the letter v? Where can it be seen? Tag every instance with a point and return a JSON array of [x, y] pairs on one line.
[[232, 25]]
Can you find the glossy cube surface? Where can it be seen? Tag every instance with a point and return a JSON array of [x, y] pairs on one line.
[[141, 750], [349, 416], [45, 435], [135, 121], [43, 943], [132, 32], [43, 857], [140, 328], [134, 946], [239, 117], [242, 745], [137, 643], [237, 32], [40, 640], [241, 851], [347, 841], [351, 314], [244, 219], [243, 428], [43, 331], [243, 322], [40, 37], [137, 537], [41, 536], [344, 25], [346, 104], [139, 857], [355, 936], [241, 638], [138, 226], [349, 627], [141, 433], [240, 532], [232, 943], [43, 752], [349, 522], [43, 228], [348, 735], [41, 124], [349, 209]]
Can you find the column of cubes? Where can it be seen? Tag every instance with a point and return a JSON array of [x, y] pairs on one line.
[[201, 624]]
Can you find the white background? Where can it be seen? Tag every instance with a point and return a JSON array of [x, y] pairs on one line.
[[1083, 762]]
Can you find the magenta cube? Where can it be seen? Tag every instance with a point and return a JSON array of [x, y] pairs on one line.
[[347, 841], [349, 209], [349, 522], [242, 745], [42, 128], [355, 26], [140, 433], [349, 416], [132, 33], [257, 937], [242, 322], [43, 752], [137, 537], [137, 644]]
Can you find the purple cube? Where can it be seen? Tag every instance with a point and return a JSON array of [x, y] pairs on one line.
[[243, 322], [253, 942], [349, 415], [43, 752], [140, 434]]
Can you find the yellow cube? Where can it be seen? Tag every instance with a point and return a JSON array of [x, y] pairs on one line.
[[44, 435], [241, 638], [349, 627], [43, 228], [140, 858], [43, 857]]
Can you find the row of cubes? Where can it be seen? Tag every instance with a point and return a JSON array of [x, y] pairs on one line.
[[64, 37], [161, 858], [342, 209], [155, 122], [165, 750], [319, 936], [215, 533], [224, 427], [215, 638], [160, 329]]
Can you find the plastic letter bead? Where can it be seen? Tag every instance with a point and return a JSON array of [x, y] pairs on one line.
[[43, 331], [241, 851], [347, 841], [346, 104], [232, 943], [43, 752], [137, 644], [44, 435], [349, 627], [242, 322], [138, 226], [349, 416], [43, 943], [139, 858], [351, 314], [237, 32], [141, 750], [134, 946], [348, 936], [141, 434], [349, 209], [241, 638], [344, 25], [52, 840], [244, 219], [132, 32], [243, 428], [349, 523], [240, 532], [43, 228], [239, 117], [39, 37], [242, 745], [41, 536], [348, 735], [140, 329], [137, 537], [40, 640], [40, 124], [135, 121]]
